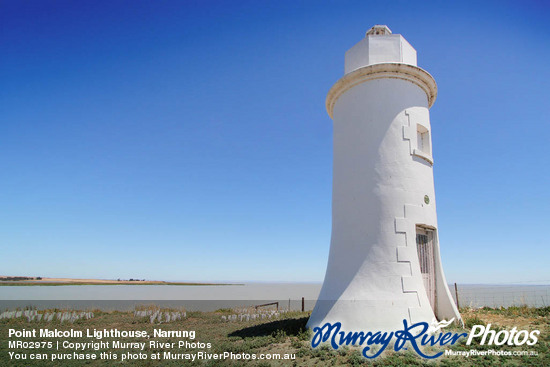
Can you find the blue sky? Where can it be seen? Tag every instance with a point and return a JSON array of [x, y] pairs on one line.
[[188, 140]]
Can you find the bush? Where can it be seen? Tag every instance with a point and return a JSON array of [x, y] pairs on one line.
[[470, 322]]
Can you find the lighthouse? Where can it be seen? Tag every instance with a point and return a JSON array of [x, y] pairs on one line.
[[384, 262]]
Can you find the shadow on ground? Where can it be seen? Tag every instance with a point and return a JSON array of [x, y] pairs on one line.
[[291, 327]]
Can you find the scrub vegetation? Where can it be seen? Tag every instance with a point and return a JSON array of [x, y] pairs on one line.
[[285, 335]]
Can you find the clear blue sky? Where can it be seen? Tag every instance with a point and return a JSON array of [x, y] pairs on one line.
[[188, 140]]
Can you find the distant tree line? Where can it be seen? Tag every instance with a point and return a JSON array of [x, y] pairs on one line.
[[19, 278], [131, 280]]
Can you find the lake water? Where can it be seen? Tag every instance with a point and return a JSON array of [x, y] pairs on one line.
[[209, 298], [204, 298]]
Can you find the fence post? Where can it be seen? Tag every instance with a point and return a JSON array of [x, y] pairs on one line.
[[303, 305], [456, 295]]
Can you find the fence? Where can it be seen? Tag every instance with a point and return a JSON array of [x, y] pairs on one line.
[[471, 295]]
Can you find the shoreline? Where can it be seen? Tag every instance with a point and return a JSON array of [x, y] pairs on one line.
[[75, 281]]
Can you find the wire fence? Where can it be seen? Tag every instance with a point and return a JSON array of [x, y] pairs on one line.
[[495, 296]]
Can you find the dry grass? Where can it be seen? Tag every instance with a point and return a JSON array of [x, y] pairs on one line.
[[287, 334]]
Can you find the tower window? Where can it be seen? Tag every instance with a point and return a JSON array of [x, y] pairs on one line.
[[423, 147], [423, 139]]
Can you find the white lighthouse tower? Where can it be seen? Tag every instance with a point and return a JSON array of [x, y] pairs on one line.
[[384, 264]]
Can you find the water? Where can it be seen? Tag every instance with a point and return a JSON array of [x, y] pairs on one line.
[[209, 298], [121, 297]]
